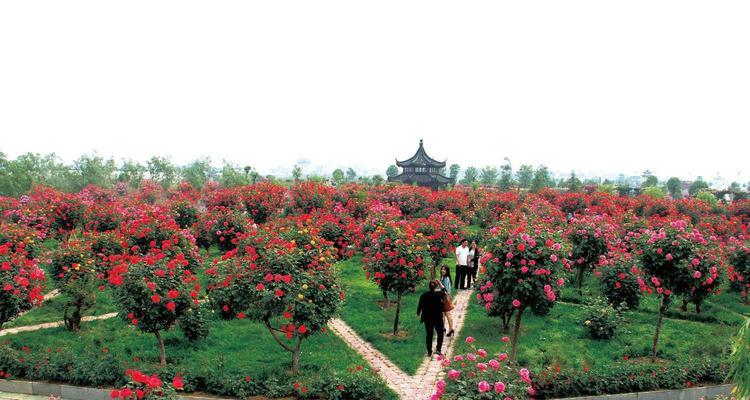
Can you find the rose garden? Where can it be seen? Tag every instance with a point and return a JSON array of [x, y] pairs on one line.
[[264, 289]]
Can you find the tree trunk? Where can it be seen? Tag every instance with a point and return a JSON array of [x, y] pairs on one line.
[[684, 305], [662, 309], [433, 272], [398, 313], [506, 322], [73, 322], [698, 307], [516, 332], [296, 356], [386, 300], [161, 349]]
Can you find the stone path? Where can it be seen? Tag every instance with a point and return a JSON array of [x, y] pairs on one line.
[[422, 385], [55, 324]]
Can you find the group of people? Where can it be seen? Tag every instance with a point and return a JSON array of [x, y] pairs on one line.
[[436, 304]]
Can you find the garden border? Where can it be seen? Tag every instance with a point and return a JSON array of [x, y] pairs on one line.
[[70, 392], [695, 393]]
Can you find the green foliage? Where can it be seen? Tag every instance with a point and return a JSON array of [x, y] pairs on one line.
[[674, 186], [91, 170], [650, 181], [654, 191], [351, 175], [620, 285], [454, 171], [573, 183], [626, 377], [488, 176], [296, 173], [707, 197], [162, 171], [542, 179], [197, 173], [338, 177], [232, 176], [601, 319], [74, 272], [470, 176], [697, 186], [739, 372], [525, 175]]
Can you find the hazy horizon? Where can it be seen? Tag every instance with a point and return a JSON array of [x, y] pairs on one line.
[[586, 86]]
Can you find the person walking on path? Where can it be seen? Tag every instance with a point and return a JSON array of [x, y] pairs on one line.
[[471, 274], [462, 264], [445, 285], [430, 309]]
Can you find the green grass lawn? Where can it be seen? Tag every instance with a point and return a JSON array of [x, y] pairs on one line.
[[559, 339], [52, 310], [375, 324], [233, 348]]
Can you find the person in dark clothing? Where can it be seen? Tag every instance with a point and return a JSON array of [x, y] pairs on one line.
[[471, 274], [430, 309]]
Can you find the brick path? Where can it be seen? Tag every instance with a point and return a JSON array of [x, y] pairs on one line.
[[422, 384]]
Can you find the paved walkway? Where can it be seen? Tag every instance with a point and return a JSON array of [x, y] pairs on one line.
[[422, 385]]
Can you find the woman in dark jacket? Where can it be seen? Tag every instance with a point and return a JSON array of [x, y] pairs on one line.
[[474, 255]]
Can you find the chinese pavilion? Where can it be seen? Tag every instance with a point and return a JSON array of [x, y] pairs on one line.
[[422, 170]]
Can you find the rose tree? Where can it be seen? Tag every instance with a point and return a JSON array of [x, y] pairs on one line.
[[74, 272], [154, 292], [739, 268], [442, 230], [524, 269], [588, 237], [279, 282], [21, 279], [677, 260], [394, 259]]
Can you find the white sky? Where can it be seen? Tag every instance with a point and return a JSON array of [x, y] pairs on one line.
[[594, 86]]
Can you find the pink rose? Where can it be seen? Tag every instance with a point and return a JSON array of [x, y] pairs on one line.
[[453, 374], [494, 364], [483, 387], [482, 367], [516, 303], [506, 339], [469, 340], [499, 387]]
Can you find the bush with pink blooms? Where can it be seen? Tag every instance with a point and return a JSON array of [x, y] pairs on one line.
[[478, 375], [154, 292], [21, 279], [739, 268], [525, 268], [286, 283], [590, 238], [147, 387], [678, 261], [394, 258]]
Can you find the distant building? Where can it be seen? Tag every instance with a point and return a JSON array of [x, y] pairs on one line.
[[421, 170]]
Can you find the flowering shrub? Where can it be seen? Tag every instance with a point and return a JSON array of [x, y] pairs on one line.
[[21, 279], [309, 195], [589, 238], [394, 259], [184, 212], [155, 232], [442, 230], [476, 375], [602, 319], [154, 291], [490, 206], [412, 201], [738, 258], [336, 228], [619, 283], [145, 387], [20, 235], [524, 271], [222, 228], [279, 282], [73, 269], [678, 260], [263, 200]]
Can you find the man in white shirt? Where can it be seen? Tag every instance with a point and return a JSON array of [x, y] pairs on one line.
[[462, 262]]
